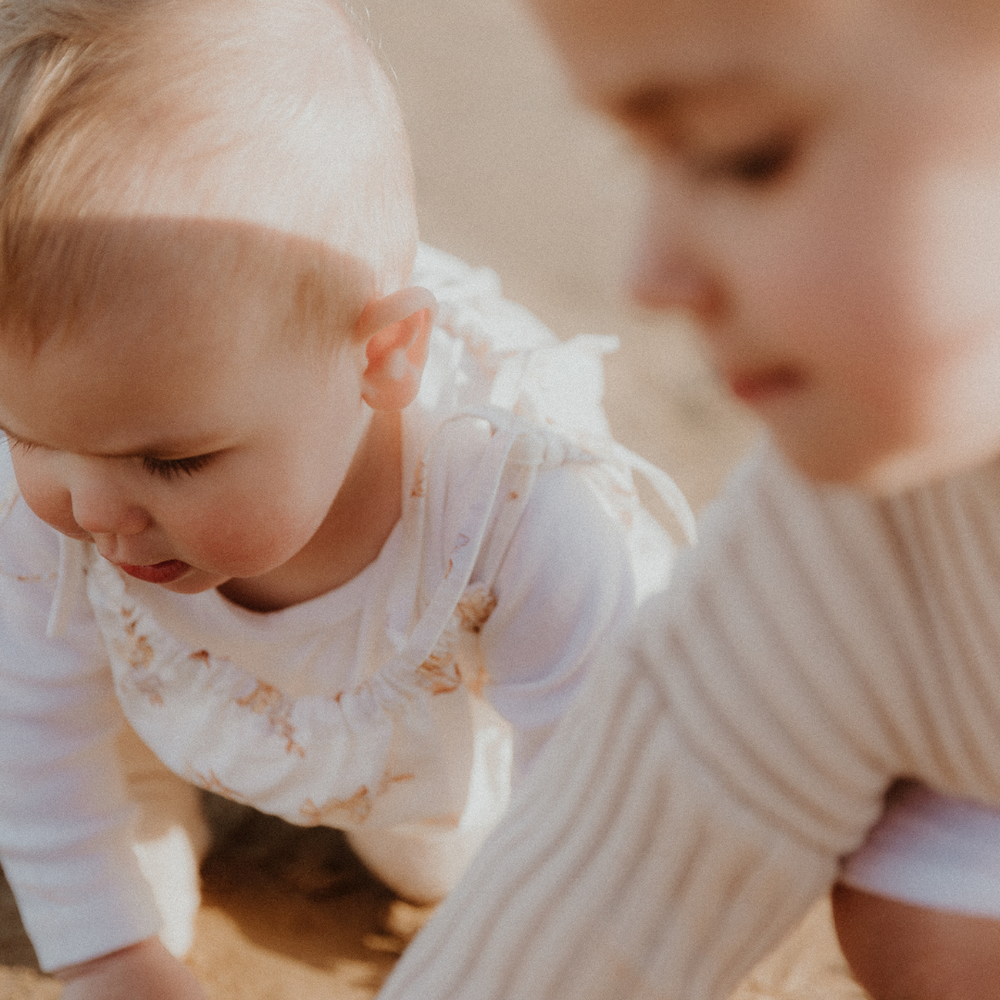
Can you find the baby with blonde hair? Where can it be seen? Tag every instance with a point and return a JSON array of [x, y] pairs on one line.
[[294, 511]]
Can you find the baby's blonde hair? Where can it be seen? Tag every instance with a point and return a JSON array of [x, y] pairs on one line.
[[269, 114]]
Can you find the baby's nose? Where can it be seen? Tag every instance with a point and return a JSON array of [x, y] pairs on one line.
[[669, 269], [101, 509], [668, 280]]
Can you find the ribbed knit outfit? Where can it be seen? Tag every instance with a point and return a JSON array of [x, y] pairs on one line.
[[813, 648]]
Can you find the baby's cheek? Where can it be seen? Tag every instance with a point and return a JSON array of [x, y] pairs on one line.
[[46, 499], [246, 542]]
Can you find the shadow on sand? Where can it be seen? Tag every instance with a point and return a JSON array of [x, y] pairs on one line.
[[286, 911]]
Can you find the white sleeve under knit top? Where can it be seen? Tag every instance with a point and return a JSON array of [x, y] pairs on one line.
[[699, 795]]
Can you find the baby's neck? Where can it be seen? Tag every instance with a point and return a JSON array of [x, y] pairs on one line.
[[361, 518]]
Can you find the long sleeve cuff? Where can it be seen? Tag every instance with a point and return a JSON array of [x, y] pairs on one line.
[[83, 907]]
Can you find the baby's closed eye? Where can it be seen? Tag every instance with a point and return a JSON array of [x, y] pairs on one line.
[[755, 164], [172, 468]]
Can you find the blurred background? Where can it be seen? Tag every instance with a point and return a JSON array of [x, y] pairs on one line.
[[512, 174]]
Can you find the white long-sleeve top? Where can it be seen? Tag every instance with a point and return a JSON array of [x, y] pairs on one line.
[[702, 791], [378, 703]]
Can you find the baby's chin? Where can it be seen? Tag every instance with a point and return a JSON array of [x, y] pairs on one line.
[[888, 473], [195, 581]]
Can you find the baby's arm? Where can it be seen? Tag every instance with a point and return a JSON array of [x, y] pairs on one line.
[[65, 822], [64, 818], [143, 971], [563, 588]]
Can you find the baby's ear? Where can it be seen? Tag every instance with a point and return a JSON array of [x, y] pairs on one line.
[[396, 332]]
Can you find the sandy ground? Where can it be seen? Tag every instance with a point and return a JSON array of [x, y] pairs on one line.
[[512, 175]]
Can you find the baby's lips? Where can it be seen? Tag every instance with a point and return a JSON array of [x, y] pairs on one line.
[[161, 572], [763, 384]]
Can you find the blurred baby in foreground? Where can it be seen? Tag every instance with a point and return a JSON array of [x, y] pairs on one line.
[[824, 201]]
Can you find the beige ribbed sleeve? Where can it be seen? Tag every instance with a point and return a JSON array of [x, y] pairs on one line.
[[702, 790]]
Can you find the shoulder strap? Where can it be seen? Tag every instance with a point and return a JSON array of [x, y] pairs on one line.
[[507, 360]]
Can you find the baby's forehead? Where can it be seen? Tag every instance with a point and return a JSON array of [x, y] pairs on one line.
[[667, 54], [692, 36], [620, 53]]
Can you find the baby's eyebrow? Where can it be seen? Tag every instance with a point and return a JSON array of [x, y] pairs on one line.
[[167, 448], [657, 101]]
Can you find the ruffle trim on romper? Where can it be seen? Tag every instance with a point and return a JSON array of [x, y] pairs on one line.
[[379, 755]]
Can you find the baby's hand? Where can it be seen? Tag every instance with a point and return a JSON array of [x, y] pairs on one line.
[[143, 971]]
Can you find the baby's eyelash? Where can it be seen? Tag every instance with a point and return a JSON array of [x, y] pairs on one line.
[[165, 468], [14, 442], [171, 468]]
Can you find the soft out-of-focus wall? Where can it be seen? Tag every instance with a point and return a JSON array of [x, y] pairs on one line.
[[513, 174]]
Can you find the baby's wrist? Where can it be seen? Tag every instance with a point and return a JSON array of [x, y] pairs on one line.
[[142, 971], [101, 962]]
